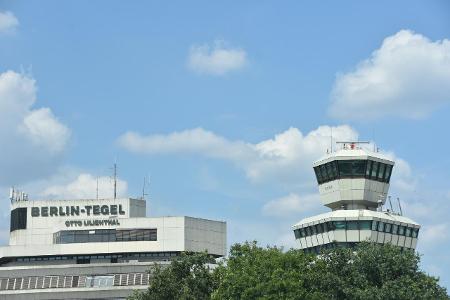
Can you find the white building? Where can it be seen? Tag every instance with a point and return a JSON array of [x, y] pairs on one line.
[[94, 249], [354, 184]]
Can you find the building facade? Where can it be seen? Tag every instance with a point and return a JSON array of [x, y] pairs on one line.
[[94, 249], [354, 183]]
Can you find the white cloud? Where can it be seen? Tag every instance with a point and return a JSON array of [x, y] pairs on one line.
[[291, 204], [31, 140], [407, 76], [431, 235], [216, 60], [85, 187], [8, 22], [287, 156]]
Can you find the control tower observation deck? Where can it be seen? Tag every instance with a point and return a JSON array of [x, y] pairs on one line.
[[354, 184]]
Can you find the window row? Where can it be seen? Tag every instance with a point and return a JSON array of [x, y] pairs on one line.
[[63, 281], [113, 257], [104, 235], [356, 225], [319, 248], [353, 169]]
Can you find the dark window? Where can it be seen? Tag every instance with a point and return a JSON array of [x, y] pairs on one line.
[[308, 231], [313, 230], [381, 172], [318, 175], [394, 229], [339, 225], [358, 168], [387, 173], [408, 232], [334, 169], [374, 225], [401, 230], [375, 165], [324, 174], [365, 225], [302, 232], [297, 233], [345, 168], [352, 225], [369, 168], [104, 235], [380, 226], [415, 232], [387, 228], [18, 219]]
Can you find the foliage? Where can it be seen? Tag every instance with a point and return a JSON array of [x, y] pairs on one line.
[[188, 277], [371, 271]]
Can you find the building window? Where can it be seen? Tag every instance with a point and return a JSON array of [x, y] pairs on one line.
[[380, 226], [365, 225], [339, 225], [353, 169], [18, 219], [104, 235], [401, 230], [352, 225], [99, 281]]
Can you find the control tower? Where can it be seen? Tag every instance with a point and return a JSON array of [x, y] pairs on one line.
[[354, 183]]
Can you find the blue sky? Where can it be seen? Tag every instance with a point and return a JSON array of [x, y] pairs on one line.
[[226, 105]]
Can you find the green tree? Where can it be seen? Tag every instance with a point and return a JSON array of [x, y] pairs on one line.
[[187, 277], [370, 271]]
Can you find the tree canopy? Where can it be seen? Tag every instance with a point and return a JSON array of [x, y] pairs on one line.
[[369, 271]]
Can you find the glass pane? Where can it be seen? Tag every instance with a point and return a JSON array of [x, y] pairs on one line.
[[297, 233], [352, 225], [319, 228], [408, 232], [318, 176], [365, 225], [369, 168], [380, 226], [374, 225], [374, 170], [339, 225], [387, 228], [345, 168], [308, 231], [358, 168], [302, 232], [401, 230], [334, 169], [323, 172], [329, 171], [381, 172], [387, 173], [394, 229], [313, 229]]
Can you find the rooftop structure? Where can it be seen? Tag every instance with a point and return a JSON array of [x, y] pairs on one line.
[[354, 183], [94, 249]]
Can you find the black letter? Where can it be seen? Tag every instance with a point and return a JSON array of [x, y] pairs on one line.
[[44, 211], [61, 212], [74, 210], [88, 209], [53, 211], [35, 211], [114, 209], [120, 210], [96, 209], [105, 210]]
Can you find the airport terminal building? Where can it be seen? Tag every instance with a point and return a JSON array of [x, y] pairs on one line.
[[94, 249]]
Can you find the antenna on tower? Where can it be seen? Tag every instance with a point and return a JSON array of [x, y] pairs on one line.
[[390, 203], [115, 179], [144, 185], [400, 206]]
